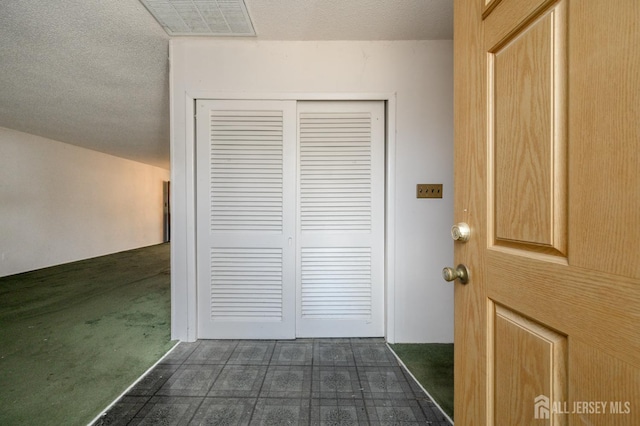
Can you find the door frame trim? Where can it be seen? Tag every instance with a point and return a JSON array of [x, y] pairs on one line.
[[183, 250]]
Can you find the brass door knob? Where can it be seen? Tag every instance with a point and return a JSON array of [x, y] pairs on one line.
[[460, 232], [460, 272]]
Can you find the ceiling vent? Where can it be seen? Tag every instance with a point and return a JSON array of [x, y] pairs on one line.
[[201, 17]]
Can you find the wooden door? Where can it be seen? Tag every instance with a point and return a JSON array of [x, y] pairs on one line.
[[547, 133]]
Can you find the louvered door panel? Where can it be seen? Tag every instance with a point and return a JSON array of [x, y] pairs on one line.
[[341, 226], [335, 171], [336, 283], [246, 219], [246, 170], [246, 283]]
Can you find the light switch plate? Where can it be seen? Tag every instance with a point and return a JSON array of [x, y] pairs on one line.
[[429, 190]]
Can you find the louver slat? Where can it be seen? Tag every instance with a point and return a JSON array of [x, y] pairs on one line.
[[336, 283], [246, 283], [335, 171], [246, 162]]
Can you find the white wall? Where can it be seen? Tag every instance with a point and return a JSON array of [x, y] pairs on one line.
[[418, 74], [60, 203]]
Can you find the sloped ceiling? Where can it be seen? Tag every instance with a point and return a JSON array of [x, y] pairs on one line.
[[94, 73]]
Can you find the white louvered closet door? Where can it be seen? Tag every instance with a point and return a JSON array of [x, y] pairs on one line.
[[340, 263], [245, 221]]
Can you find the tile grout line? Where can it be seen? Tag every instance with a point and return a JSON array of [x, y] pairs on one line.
[[181, 364], [364, 402], [195, 412], [313, 348], [253, 411]]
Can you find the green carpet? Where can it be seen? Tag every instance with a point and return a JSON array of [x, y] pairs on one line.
[[74, 337], [432, 366]]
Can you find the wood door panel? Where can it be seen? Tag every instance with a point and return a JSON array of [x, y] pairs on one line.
[[507, 17], [569, 299], [604, 119], [528, 360], [527, 139], [610, 385]]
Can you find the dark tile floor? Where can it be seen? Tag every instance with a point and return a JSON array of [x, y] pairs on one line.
[[276, 383]]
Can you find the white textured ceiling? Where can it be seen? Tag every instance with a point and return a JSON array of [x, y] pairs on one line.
[[94, 73], [352, 19]]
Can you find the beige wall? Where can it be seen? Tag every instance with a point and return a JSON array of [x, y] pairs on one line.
[[60, 203]]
